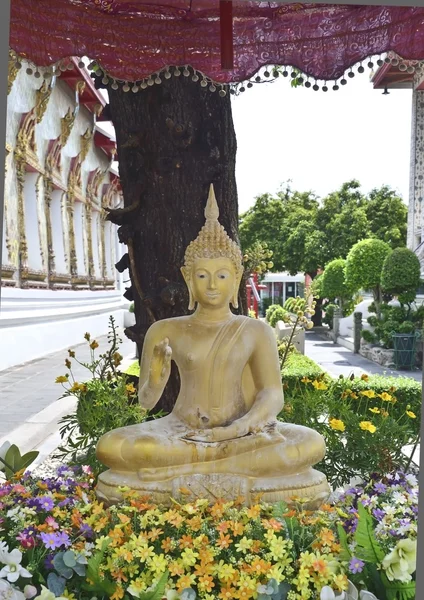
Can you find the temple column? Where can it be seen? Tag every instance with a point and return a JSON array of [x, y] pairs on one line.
[[416, 185], [80, 243], [96, 244], [61, 266]]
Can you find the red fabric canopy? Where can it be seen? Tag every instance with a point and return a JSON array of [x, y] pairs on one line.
[[133, 39]]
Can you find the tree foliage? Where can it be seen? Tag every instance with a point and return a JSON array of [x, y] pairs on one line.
[[401, 274], [334, 283], [305, 234], [364, 264]]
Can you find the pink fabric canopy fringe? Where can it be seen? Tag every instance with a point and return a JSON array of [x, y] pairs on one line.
[[132, 40]]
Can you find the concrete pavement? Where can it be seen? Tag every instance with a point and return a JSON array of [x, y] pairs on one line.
[[30, 408]]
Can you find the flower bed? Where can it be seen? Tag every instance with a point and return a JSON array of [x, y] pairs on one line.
[[56, 540]]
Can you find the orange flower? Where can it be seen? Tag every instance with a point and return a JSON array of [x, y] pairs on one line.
[[259, 566], [244, 592], [227, 593], [224, 541], [254, 511], [116, 536], [238, 528], [205, 568], [272, 524], [223, 526], [206, 583], [256, 546], [320, 566], [154, 534], [195, 523], [205, 555], [184, 582], [186, 541], [167, 544], [174, 518], [326, 536], [118, 593], [124, 518], [217, 510], [175, 569]]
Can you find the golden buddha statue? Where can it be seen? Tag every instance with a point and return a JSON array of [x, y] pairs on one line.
[[222, 439]]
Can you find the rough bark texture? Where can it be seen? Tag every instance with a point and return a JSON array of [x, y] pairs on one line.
[[173, 140]]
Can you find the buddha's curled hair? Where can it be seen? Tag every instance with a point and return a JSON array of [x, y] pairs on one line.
[[212, 241]]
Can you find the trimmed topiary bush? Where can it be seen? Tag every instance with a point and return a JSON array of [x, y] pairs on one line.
[[401, 274]]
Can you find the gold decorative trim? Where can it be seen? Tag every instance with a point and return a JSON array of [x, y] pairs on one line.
[[42, 100], [22, 240], [12, 71], [66, 124], [26, 148], [48, 189], [86, 139]]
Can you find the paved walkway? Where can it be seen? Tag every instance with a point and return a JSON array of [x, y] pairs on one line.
[[337, 360], [30, 407]]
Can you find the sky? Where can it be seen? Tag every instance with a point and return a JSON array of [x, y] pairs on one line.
[[319, 140]]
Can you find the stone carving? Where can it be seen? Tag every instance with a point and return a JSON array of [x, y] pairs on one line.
[[222, 437]]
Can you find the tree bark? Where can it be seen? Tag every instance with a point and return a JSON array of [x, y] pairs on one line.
[[173, 141]]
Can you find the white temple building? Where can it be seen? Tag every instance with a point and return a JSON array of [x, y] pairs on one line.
[[389, 76], [57, 269]]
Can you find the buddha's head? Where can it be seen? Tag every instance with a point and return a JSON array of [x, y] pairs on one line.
[[212, 263]]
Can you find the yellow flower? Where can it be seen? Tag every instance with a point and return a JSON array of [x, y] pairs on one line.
[[158, 563], [87, 336], [411, 414], [319, 385], [188, 557], [224, 571], [386, 397], [305, 380], [368, 393], [67, 363], [368, 426], [130, 388], [374, 410], [364, 377], [337, 424], [94, 345], [62, 378], [244, 545]]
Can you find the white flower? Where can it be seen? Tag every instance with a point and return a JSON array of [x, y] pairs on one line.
[[400, 563], [30, 591], [8, 592], [411, 479], [48, 595], [13, 569], [4, 550]]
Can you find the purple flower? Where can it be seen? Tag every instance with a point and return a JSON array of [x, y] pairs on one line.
[[46, 503], [33, 503], [52, 541], [64, 539], [379, 487], [378, 513], [48, 561], [86, 531], [356, 565]]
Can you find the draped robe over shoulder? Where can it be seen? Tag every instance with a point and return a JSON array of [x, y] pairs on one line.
[[161, 448]]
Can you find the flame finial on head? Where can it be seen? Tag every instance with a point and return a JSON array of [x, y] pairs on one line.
[[211, 209]]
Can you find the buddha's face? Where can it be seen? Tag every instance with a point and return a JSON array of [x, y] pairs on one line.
[[213, 282]]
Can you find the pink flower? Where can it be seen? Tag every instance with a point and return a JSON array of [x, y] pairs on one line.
[[52, 523]]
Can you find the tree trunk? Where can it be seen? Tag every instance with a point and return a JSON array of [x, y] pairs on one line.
[[173, 141]]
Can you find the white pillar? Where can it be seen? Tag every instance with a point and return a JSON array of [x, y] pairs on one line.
[[416, 179], [32, 222], [79, 237], [57, 216]]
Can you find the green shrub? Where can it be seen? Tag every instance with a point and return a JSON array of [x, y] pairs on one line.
[[334, 281], [401, 274], [393, 319], [364, 264], [276, 313], [105, 401], [329, 314], [365, 421]]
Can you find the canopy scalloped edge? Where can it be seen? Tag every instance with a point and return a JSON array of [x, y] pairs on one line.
[[267, 73]]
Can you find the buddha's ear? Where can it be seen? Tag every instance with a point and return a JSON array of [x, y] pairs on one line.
[[234, 299], [191, 302]]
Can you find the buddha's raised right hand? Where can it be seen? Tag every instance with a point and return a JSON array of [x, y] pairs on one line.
[[160, 364]]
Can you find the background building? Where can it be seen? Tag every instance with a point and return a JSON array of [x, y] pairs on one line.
[[57, 274]]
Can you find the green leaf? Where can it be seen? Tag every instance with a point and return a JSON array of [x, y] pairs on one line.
[[368, 549], [100, 583], [345, 553], [159, 591], [69, 559], [56, 584], [61, 567], [28, 459], [396, 590]]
